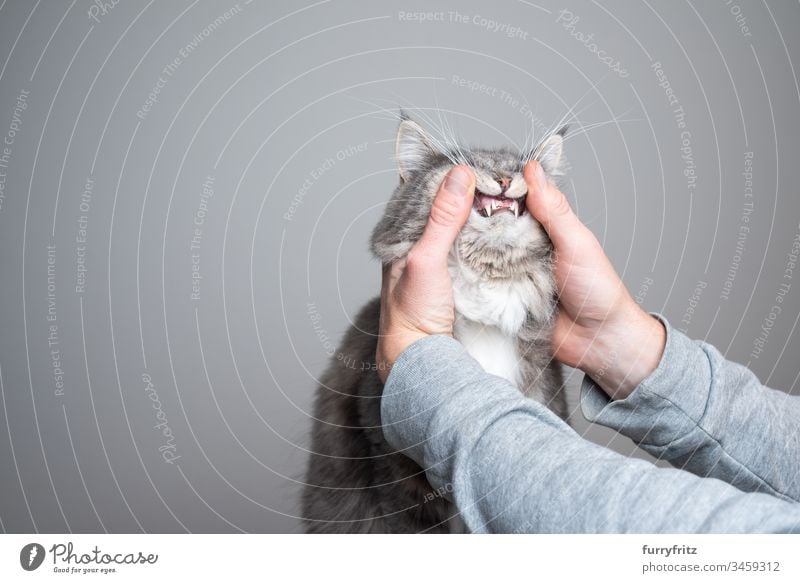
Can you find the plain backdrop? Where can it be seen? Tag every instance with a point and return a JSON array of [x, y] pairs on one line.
[[189, 189]]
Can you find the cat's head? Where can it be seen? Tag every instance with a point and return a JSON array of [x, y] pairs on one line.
[[500, 238]]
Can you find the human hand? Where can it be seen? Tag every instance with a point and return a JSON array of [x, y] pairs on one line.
[[599, 327], [417, 293]]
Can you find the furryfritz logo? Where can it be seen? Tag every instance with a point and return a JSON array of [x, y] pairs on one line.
[[31, 556]]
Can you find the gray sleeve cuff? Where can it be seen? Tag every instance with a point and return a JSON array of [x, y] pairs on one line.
[[666, 405]]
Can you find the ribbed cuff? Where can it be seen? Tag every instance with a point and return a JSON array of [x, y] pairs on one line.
[[667, 404]]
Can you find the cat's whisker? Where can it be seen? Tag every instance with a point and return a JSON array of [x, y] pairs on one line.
[[570, 114], [439, 143], [585, 128], [530, 129], [391, 115], [445, 128]]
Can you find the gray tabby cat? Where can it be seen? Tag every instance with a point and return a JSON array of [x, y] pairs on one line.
[[505, 298]]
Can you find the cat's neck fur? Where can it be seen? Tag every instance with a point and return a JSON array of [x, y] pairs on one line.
[[490, 312]]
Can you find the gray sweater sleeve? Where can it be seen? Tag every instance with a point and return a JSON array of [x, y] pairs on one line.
[[709, 416], [511, 465]]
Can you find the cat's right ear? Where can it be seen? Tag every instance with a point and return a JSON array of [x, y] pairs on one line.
[[550, 152], [412, 148]]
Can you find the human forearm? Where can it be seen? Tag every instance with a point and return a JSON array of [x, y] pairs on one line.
[[710, 416], [513, 466]]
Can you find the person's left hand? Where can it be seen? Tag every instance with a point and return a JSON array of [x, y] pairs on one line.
[[417, 294]]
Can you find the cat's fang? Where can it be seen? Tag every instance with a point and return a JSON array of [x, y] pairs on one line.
[[488, 210], [515, 208]]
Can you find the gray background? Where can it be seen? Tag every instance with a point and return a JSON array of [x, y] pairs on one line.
[[259, 102]]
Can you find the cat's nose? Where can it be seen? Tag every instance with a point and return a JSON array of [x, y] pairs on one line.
[[504, 182]]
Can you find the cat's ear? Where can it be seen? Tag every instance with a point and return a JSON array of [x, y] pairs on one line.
[[550, 152], [412, 148]]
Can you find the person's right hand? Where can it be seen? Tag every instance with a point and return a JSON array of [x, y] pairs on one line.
[[599, 327]]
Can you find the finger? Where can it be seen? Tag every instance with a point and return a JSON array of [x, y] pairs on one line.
[[550, 207], [385, 280], [449, 212], [389, 276], [388, 281]]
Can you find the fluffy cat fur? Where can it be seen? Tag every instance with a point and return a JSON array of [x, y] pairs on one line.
[[504, 293]]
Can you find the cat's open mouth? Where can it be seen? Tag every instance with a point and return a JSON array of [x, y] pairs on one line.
[[487, 205]]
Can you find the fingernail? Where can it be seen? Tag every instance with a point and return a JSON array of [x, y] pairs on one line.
[[458, 181]]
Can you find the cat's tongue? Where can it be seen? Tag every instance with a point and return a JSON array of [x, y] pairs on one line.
[[492, 204]]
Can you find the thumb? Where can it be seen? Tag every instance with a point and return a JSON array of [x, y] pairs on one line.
[[449, 212], [550, 207]]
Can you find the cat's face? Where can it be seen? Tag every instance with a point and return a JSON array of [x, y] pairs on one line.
[[500, 237]]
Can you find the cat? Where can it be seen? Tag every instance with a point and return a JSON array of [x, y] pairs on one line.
[[505, 300]]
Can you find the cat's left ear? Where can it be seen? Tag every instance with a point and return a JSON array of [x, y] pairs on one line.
[[413, 148], [550, 152]]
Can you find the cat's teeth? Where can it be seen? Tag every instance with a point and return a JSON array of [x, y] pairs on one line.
[[489, 210], [515, 208]]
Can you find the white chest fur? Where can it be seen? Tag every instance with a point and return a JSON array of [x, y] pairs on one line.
[[494, 350], [489, 315]]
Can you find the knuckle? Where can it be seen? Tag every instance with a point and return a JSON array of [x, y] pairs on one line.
[[413, 259], [444, 212], [560, 206], [417, 261]]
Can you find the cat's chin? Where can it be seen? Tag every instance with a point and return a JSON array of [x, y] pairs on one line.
[[502, 246]]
